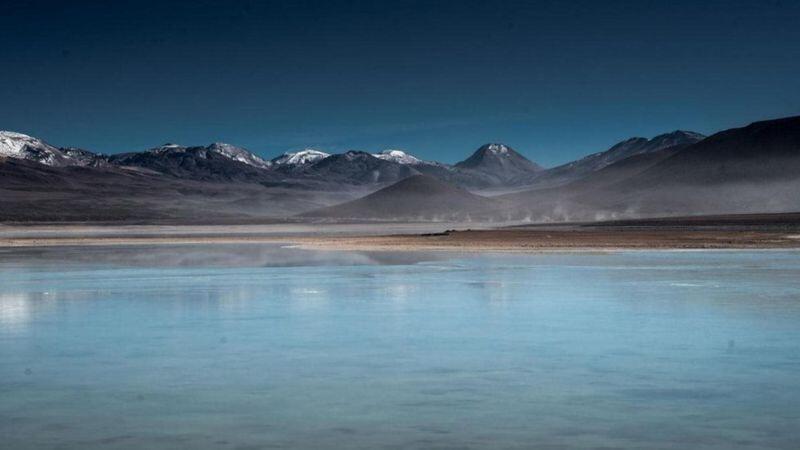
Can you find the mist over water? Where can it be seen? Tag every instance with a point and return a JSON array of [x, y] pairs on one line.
[[263, 347]]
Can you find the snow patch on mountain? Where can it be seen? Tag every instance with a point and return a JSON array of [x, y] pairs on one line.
[[498, 149], [238, 154], [167, 148], [81, 157], [397, 156], [22, 146], [14, 144], [229, 151], [301, 158]]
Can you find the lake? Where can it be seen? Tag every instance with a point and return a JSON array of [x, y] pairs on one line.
[[257, 346]]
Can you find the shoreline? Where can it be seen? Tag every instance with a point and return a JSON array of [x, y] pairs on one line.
[[576, 240], [409, 238], [734, 232]]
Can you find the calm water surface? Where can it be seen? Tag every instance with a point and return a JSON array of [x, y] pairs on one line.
[[246, 347]]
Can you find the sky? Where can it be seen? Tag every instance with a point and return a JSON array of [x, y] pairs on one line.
[[555, 80]]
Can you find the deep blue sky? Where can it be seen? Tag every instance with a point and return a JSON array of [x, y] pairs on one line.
[[553, 79]]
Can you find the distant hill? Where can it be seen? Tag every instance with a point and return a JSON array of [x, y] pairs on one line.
[[418, 197]]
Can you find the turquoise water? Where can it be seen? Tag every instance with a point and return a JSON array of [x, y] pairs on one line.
[[260, 347]]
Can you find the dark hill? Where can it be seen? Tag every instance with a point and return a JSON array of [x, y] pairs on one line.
[[418, 197], [587, 165], [753, 169], [766, 151]]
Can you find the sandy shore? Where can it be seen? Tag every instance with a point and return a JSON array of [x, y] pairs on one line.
[[91, 234], [556, 240], [752, 232]]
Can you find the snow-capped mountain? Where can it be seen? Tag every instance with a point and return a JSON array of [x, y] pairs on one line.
[[223, 149], [499, 164], [22, 146], [167, 148], [301, 158], [81, 157], [398, 156], [357, 167], [229, 151], [493, 165], [238, 154], [215, 162], [492, 157]]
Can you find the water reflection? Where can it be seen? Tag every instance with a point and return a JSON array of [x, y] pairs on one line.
[[18, 309], [15, 308], [630, 350], [199, 255]]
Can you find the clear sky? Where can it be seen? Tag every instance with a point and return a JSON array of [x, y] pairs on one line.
[[554, 79]]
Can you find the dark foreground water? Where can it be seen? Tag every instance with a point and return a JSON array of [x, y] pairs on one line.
[[257, 347]]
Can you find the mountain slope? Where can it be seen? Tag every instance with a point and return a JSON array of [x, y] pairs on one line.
[[587, 198], [751, 169], [762, 151], [744, 170], [418, 197], [575, 170]]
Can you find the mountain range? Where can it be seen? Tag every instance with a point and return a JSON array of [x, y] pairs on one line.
[[748, 169]]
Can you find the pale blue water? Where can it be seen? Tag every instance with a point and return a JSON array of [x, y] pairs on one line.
[[256, 347]]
